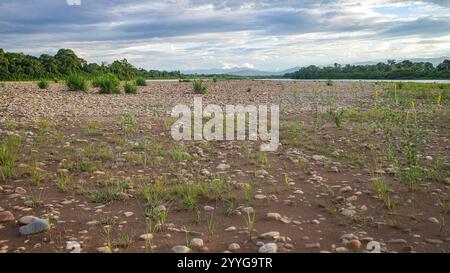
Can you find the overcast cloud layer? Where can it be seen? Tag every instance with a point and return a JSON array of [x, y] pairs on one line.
[[193, 34]]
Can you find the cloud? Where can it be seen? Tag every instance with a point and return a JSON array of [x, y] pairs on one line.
[[73, 2], [264, 34]]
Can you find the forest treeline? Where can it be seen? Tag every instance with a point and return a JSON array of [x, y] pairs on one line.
[[390, 70], [19, 66]]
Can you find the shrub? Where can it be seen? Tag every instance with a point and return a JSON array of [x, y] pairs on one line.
[[109, 84], [43, 84], [330, 83], [199, 87], [130, 88], [215, 79], [96, 82], [141, 82], [77, 82], [184, 80]]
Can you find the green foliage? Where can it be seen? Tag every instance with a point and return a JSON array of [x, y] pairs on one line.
[[141, 82], [330, 83], [199, 87], [18, 66], [43, 84], [76, 82], [109, 84], [130, 88], [390, 70]]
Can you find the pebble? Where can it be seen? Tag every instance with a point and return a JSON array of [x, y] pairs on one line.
[[35, 227], [354, 244], [312, 245], [196, 242], [270, 235], [268, 248], [397, 241], [73, 246], [434, 241], [273, 216], [208, 208], [6, 216], [315, 221], [433, 220], [232, 228], [104, 249], [260, 197], [223, 167], [128, 214], [20, 190], [181, 249], [341, 250], [146, 237], [25, 220], [234, 247], [346, 189], [348, 212]]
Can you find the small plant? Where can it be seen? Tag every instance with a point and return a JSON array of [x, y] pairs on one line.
[[63, 181], [330, 83], [76, 82], [250, 222], [129, 122], [130, 88], [338, 117], [96, 82], [109, 84], [199, 87], [43, 84], [215, 79], [211, 224], [141, 82]]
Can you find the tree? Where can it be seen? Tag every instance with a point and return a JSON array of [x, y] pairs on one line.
[[69, 61]]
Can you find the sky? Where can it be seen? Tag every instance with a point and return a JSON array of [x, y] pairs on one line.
[[204, 34]]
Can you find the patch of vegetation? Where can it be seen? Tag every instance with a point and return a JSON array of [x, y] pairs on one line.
[[43, 84], [109, 84], [199, 87], [76, 82], [130, 88], [141, 82]]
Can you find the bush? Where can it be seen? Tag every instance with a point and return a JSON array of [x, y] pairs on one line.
[[96, 82], [109, 84], [43, 84], [130, 88], [141, 82], [199, 87], [77, 82], [185, 80], [215, 79], [330, 83]]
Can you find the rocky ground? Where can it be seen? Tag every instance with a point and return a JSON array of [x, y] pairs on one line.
[[358, 171]]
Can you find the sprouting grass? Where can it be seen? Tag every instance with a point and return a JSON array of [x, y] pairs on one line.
[[249, 192], [63, 181], [92, 129], [210, 224], [35, 174], [129, 122], [8, 156], [107, 196], [179, 153], [159, 216], [249, 219]]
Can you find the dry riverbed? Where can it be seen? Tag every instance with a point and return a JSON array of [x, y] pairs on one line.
[[361, 166]]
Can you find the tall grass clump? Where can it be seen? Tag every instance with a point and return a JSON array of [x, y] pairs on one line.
[[76, 82], [43, 84], [109, 84], [199, 87], [141, 82], [130, 88]]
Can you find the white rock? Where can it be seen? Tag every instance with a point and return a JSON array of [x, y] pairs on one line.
[[197, 242], [268, 248], [181, 249]]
